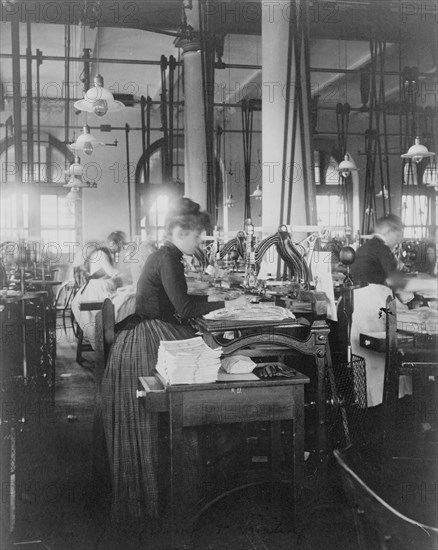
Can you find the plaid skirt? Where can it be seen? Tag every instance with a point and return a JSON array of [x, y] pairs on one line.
[[132, 436]]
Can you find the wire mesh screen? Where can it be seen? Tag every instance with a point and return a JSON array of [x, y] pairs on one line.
[[346, 392]]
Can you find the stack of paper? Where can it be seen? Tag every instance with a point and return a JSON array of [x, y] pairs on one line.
[[188, 361], [252, 312]]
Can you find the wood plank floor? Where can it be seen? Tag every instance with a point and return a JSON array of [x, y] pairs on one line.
[[58, 508]]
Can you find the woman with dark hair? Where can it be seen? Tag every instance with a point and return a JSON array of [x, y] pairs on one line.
[[163, 307], [376, 265]]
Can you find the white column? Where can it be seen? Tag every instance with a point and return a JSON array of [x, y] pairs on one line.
[[276, 17], [195, 150]]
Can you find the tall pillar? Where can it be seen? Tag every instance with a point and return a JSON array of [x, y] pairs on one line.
[[288, 189], [195, 146]]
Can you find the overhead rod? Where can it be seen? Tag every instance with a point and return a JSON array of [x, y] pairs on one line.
[[351, 134], [79, 126], [124, 61], [355, 71], [226, 65]]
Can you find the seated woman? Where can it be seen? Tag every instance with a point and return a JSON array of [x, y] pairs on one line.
[[98, 277], [376, 265], [163, 307]]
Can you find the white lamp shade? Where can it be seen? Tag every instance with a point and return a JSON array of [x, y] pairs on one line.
[[417, 152], [85, 143], [73, 195], [76, 169], [346, 166], [76, 182], [98, 100], [258, 194], [229, 203]]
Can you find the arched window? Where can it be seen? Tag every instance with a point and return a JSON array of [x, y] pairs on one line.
[[333, 196], [33, 202], [155, 189]]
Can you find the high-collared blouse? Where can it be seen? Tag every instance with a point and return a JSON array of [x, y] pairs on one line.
[[162, 288]]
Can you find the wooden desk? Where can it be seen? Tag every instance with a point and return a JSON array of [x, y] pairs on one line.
[[223, 403], [263, 338]]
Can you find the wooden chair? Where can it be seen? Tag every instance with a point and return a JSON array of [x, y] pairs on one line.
[[379, 525], [420, 362], [62, 304], [105, 322]]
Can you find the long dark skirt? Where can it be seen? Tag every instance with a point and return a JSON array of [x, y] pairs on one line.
[[132, 436]]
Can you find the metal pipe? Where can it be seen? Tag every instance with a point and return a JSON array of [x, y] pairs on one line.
[[128, 170], [149, 104], [29, 110], [16, 79], [78, 126], [136, 61], [38, 99], [67, 83]]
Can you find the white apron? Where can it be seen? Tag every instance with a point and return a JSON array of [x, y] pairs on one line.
[[367, 304]]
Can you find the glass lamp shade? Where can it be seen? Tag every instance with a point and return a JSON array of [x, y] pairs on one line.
[[85, 143], [76, 169], [98, 100], [417, 152], [346, 166], [76, 182], [257, 193], [383, 193], [73, 195], [229, 203]]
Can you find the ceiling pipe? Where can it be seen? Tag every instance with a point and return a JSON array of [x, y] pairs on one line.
[[67, 83], [334, 70], [29, 103], [16, 84], [129, 61]]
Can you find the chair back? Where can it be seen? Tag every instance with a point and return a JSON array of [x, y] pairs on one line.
[[108, 324], [381, 525], [391, 380]]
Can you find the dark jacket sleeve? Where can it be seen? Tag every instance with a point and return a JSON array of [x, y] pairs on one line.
[[174, 283], [394, 278]]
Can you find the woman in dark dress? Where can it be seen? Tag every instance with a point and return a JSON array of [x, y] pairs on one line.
[[162, 306]]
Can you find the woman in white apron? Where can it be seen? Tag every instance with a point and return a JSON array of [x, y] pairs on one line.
[[376, 265]]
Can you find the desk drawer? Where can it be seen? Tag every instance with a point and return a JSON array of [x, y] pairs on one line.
[[249, 404], [152, 394]]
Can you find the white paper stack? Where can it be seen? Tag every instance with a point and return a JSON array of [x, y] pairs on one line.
[[188, 361]]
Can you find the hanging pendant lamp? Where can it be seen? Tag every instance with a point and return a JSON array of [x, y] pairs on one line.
[[229, 203], [75, 182], [346, 167], [98, 100], [86, 142], [383, 193], [73, 195], [75, 169], [75, 172], [417, 152], [257, 193]]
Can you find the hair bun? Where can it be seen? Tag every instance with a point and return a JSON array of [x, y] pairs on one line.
[[184, 206]]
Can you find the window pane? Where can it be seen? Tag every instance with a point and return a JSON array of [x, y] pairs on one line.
[[49, 235], [49, 210], [332, 175], [8, 217], [330, 209], [66, 211], [415, 216], [66, 236]]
